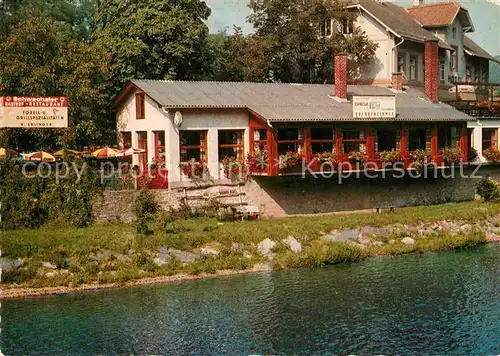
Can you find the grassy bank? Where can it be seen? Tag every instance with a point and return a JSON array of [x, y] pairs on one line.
[[126, 255]]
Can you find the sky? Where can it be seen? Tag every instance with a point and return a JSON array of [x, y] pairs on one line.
[[485, 16]]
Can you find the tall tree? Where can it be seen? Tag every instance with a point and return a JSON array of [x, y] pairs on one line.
[[291, 33], [40, 58], [153, 39]]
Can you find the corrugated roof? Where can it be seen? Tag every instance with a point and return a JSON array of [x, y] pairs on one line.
[[436, 14], [291, 102], [398, 20], [474, 49]]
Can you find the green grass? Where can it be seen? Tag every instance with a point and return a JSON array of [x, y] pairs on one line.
[[58, 244]]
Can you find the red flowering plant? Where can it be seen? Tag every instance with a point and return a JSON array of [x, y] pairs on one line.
[[421, 158], [236, 169], [357, 156], [290, 159], [194, 169], [452, 155], [257, 160], [327, 156], [391, 156], [492, 154]]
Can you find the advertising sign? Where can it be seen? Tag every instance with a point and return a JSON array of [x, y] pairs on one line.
[[365, 107], [34, 111]]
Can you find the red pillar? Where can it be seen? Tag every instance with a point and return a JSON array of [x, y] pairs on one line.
[[307, 144], [403, 143], [434, 143], [370, 143], [251, 140], [338, 146], [463, 144], [272, 149]]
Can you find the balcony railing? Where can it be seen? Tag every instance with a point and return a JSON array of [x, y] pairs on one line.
[[476, 99]]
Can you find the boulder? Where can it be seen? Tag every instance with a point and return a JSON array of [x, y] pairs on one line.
[[49, 265], [50, 274], [377, 243], [408, 241], [345, 235], [237, 247], [101, 255], [211, 249], [184, 256], [375, 231], [7, 264], [265, 248], [492, 237], [162, 259], [293, 244]]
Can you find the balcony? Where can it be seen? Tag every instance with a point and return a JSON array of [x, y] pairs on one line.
[[479, 100]]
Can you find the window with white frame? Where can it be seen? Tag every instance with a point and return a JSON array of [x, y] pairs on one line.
[[347, 26], [442, 67], [326, 28], [453, 60], [413, 68], [401, 63]]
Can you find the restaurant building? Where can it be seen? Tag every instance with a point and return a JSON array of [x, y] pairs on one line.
[[176, 122]]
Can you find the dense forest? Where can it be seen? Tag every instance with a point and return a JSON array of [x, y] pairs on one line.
[[88, 50]]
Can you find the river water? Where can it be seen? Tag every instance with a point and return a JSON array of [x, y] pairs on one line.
[[445, 303]]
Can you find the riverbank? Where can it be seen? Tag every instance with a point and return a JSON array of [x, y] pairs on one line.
[[56, 259]]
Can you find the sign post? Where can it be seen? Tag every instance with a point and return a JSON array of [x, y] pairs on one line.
[[34, 112]]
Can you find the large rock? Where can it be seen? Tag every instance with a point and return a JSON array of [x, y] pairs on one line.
[[7, 264], [162, 259], [408, 241], [365, 240], [345, 235], [375, 231], [293, 244], [102, 255], [265, 248], [211, 249], [184, 256], [123, 258]]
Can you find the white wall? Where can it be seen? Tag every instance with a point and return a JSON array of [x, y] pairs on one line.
[[383, 65], [156, 119]]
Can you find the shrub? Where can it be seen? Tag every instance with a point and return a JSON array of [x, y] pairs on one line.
[[452, 155], [488, 189], [321, 254], [29, 201], [357, 157], [145, 208], [472, 155], [391, 156]]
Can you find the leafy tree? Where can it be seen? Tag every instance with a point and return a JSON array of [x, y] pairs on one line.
[[288, 33], [40, 58], [153, 39]]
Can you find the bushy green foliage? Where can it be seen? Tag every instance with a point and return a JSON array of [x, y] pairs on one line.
[[34, 197], [488, 189], [145, 208]]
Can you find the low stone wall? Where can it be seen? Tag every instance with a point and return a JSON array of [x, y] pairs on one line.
[[281, 196]]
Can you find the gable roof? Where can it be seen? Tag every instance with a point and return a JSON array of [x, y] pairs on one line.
[[398, 20], [473, 49], [289, 102], [439, 14]]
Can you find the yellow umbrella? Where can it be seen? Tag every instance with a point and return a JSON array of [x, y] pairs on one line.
[[41, 156], [6, 152], [105, 152], [66, 152]]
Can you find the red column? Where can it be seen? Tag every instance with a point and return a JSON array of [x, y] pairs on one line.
[[338, 146], [403, 143], [307, 144], [272, 149], [434, 143], [251, 140], [463, 144], [370, 143]]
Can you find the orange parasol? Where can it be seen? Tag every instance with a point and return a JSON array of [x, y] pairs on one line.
[[41, 156], [105, 152]]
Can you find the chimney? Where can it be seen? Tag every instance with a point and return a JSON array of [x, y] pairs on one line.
[[397, 81], [431, 74], [340, 67]]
